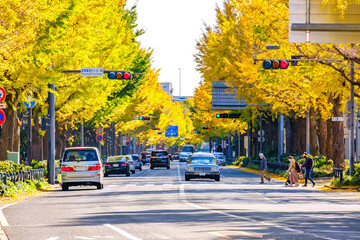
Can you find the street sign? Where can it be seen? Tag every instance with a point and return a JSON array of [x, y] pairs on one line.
[[261, 139], [30, 102], [2, 117], [92, 71], [337, 119], [172, 131], [348, 105], [99, 138], [2, 105], [99, 131], [2, 94], [261, 133]]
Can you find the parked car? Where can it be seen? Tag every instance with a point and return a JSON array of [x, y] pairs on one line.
[[81, 166], [159, 158], [122, 164], [137, 161], [220, 158], [202, 165]]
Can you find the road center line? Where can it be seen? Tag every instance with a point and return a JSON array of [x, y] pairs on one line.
[[3, 220], [122, 232]]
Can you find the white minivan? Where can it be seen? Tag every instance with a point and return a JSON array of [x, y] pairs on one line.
[[81, 166]]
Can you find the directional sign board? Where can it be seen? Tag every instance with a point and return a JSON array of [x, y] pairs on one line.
[[92, 71], [337, 119], [2, 117], [30, 102], [172, 131], [2, 94]]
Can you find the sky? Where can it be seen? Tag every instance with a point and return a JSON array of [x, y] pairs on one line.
[[172, 28]]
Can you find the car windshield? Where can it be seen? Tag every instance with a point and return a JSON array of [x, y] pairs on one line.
[[80, 155], [199, 160], [116, 159], [135, 157], [188, 149], [159, 154]]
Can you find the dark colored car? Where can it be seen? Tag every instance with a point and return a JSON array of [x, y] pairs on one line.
[[159, 158], [202, 165], [175, 156], [137, 161], [119, 165]]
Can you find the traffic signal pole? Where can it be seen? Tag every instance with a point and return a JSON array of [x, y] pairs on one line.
[[29, 143]]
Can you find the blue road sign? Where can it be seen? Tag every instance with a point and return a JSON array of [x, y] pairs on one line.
[[30, 102], [172, 131]]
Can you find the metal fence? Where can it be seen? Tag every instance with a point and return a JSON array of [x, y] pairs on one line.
[[22, 176]]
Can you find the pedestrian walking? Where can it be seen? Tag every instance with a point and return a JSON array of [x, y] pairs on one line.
[[293, 172], [263, 168], [309, 164]]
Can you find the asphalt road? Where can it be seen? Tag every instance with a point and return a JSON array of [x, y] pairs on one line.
[[159, 204]]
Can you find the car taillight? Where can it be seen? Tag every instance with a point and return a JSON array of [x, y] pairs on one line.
[[95, 167], [150, 157], [138, 160], [124, 164], [66, 168], [167, 156], [107, 164]]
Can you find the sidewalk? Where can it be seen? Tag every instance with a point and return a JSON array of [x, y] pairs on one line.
[[321, 183]]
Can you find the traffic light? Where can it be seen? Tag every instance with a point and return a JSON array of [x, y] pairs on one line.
[[156, 128], [275, 64], [228, 115], [45, 123], [222, 115], [205, 127], [119, 75], [196, 131], [143, 118]]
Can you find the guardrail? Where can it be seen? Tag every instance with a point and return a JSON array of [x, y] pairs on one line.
[[22, 176]]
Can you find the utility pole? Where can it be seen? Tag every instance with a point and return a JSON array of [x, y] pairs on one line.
[[51, 134], [352, 116], [82, 133]]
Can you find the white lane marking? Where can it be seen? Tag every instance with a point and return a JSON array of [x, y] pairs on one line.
[[52, 238], [122, 232], [3, 220], [84, 238], [149, 184], [131, 185]]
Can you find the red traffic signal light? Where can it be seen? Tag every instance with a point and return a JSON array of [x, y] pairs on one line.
[[205, 127], [275, 64], [119, 75], [156, 128]]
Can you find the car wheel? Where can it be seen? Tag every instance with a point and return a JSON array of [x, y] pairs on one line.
[[128, 172], [187, 178], [106, 174], [100, 186], [168, 167], [217, 178], [133, 171], [65, 187], [140, 168], [151, 167]]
